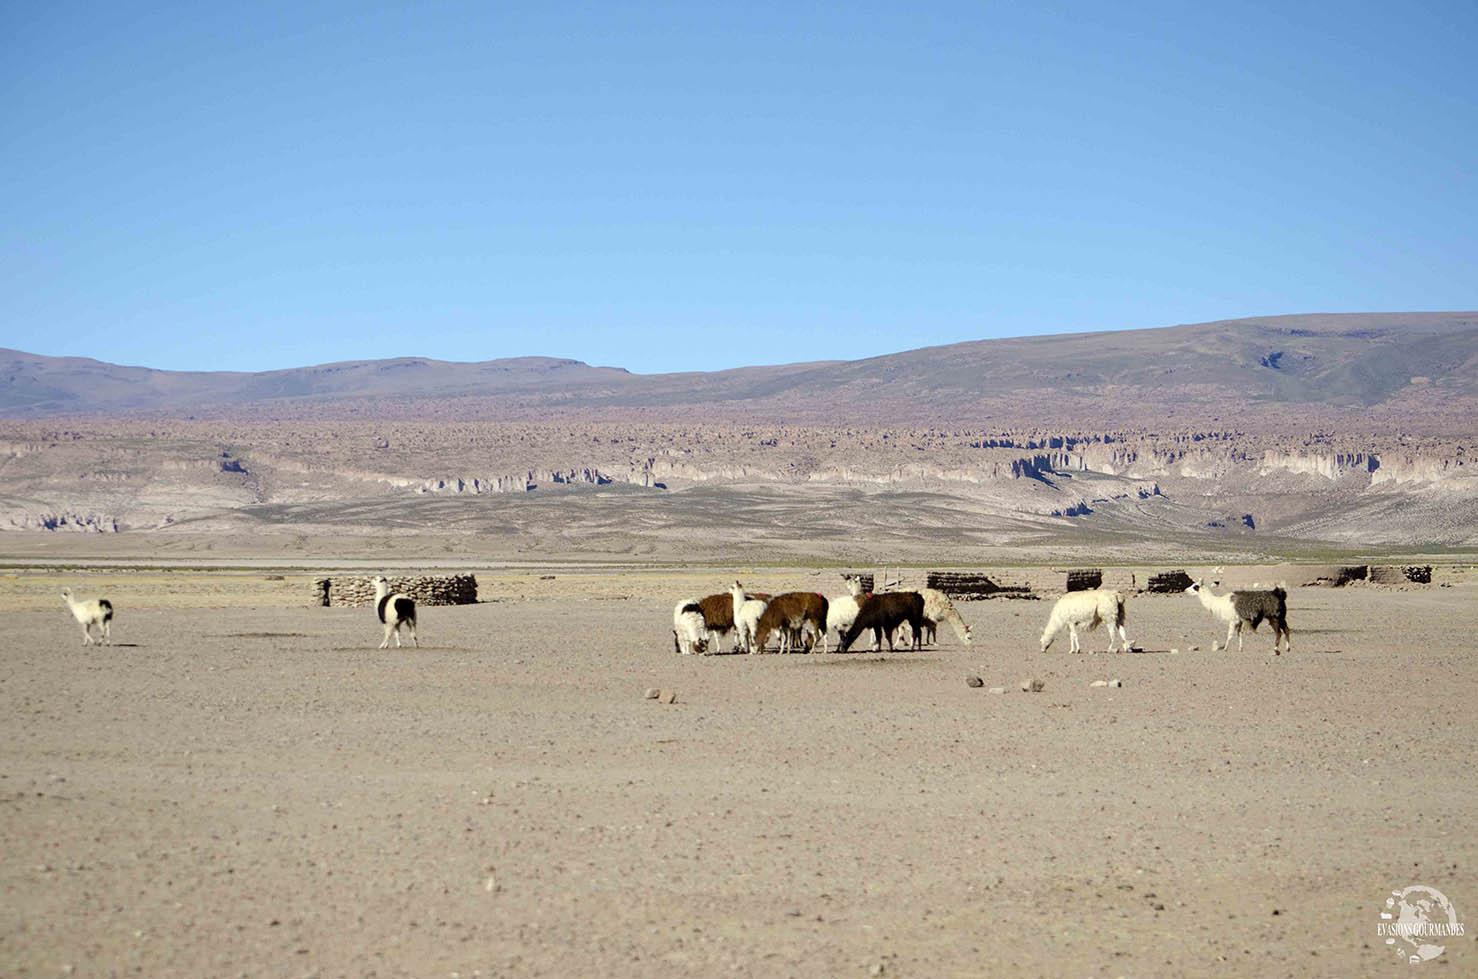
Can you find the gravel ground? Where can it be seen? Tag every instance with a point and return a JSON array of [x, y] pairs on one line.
[[258, 791]]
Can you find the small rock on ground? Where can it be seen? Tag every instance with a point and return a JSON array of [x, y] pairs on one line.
[[652, 693], [668, 697], [1099, 683], [1032, 685], [974, 681], [1116, 683], [997, 689]]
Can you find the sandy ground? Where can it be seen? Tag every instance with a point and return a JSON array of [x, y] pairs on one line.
[[245, 787]]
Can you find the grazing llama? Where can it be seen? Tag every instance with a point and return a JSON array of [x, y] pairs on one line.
[[1087, 610], [883, 614], [397, 611], [718, 618], [841, 611], [747, 613], [938, 608], [688, 634], [1248, 608], [91, 612], [795, 616]]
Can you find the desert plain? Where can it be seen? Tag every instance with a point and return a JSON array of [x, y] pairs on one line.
[[243, 785]]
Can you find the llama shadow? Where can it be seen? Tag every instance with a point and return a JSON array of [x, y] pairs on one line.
[[263, 635], [404, 649], [872, 659]]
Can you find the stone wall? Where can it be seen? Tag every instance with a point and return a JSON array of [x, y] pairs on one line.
[[1397, 574], [1332, 575], [1084, 579], [1169, 582], [968, 585], [456, 589]]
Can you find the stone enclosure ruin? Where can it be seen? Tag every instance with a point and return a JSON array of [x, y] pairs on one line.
[[971, 585], [456, 589]]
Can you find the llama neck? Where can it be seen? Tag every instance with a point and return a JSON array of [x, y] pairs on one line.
[[1219, 605]]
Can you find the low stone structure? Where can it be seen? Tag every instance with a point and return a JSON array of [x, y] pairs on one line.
[[970, 585], [1169, 582], [1399, 574], [456, 589], [1334, 576], [1084, 579]]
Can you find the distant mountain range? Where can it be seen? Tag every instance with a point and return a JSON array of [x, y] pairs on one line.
[[1346, 361]]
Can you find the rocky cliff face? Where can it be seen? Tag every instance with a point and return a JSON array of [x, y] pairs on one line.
[[129, 477]]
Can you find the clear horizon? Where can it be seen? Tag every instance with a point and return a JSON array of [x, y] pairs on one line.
[[672, 188], [881, 353]]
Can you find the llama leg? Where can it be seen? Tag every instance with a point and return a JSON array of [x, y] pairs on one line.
[[1231, 630], [388, 629], [87, 633], [107, 634], [414, 638], [1072, 638]]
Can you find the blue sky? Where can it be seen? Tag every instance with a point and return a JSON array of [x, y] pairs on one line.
[[692, 186]]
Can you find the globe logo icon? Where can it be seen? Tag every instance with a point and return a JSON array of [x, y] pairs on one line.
[[1413, 921]]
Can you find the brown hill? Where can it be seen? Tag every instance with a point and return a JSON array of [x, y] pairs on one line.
[[1231, 367]]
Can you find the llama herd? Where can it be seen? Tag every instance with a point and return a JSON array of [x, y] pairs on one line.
[[803, 621]]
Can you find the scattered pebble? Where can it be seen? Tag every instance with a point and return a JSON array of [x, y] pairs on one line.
[[491, 884], [974, 681], [1116, 683], [1175, 652], [1032, 685], [667, 697], [1215, 646], [997, 689], [876, 970], [1195, 649], [1099, 683], [652, 693]]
